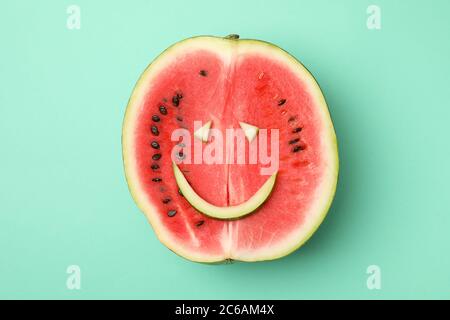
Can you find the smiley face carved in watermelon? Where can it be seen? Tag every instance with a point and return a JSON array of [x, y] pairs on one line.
[[210, 211]]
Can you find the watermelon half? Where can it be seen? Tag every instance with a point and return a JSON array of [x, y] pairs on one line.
[[228, 83]]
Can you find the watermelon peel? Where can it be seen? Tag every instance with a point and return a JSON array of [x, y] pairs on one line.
[[227, 212]]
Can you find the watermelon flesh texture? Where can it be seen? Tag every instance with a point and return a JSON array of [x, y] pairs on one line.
[[230, 81]]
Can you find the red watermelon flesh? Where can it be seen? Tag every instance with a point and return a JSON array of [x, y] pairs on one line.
[[228, 81]]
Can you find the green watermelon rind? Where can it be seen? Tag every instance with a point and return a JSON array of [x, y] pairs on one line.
[[138, 197]]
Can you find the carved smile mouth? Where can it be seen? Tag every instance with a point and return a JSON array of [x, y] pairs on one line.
[[227, 212]]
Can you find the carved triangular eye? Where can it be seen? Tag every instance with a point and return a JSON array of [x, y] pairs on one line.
[[203, 132], [249, 130]]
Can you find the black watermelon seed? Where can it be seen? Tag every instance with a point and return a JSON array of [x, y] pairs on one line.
[[166, 200], [203, 73], [156, 179], [163, 110], [292, 119], [155, 131], [297, 148], [172, 213], [155, 145], [297, 130], [155, 118], [181, 155], [179, 118], [156, 156], [200, 223], [176, 99], [281, 102], [155, 166], [294, 141]]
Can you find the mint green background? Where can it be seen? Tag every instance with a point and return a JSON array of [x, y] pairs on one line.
[[63, 196]]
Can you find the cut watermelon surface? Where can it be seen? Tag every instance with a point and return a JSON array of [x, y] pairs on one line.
[[228, 82]]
